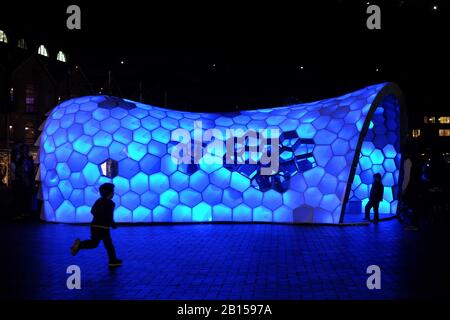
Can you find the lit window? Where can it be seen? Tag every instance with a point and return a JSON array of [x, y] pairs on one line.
[[29, 97], [22, 44], [61, 56], [416, 133], [11, 132], [428, 119], [444, 132], [29, 133], [3, 37], [444, 119], [42, 50]]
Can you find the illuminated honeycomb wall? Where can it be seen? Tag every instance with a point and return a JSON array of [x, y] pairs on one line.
[[323, 145], [379, 154]]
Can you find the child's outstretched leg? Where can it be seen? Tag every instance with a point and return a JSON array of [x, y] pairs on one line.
[[107, 241], [75, 247], [87, 244]]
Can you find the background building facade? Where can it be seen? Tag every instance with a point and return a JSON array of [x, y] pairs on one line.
[[34, 77]]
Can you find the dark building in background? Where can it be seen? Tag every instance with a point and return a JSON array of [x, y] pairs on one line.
[[432, 132], [34, 77]]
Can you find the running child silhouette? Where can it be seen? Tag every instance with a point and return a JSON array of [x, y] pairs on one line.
[[103, 212]]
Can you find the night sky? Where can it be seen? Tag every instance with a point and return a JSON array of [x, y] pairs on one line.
[[219, 56]]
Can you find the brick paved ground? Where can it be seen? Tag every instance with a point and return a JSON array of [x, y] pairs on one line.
[[227, 261]]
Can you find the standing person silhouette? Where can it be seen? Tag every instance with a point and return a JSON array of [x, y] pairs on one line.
[[413, 190], [103, 212], [375, 197]]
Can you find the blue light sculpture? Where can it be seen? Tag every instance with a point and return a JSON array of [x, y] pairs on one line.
[[328, 149]]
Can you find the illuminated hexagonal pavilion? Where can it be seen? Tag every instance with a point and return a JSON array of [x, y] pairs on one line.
[[328, 153]]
